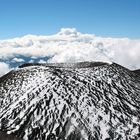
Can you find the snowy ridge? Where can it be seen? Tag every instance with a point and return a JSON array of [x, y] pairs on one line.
[[87, 102], [67, 65]]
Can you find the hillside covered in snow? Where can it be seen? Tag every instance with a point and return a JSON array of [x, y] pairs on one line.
[[67, 101]]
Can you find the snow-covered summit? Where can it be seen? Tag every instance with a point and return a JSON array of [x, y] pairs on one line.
[[85, 101]]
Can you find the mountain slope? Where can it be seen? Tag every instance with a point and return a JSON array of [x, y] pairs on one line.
[[83, 101]]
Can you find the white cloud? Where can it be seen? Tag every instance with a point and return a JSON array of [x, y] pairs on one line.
[[4, 68], [31, 61], [17, 60], [41, 61], [71, 46]]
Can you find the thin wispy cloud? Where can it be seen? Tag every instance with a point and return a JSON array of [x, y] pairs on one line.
[[69, 45]]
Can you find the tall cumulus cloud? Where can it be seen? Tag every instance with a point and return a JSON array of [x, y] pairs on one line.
[[69, 45]]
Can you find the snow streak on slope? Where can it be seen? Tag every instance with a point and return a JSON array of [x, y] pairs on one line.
[[84, 101]]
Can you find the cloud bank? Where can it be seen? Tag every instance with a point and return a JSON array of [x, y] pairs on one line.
[[69, 45], [4, 68]]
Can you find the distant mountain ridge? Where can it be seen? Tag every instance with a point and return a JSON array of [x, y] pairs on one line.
[[82, 101]]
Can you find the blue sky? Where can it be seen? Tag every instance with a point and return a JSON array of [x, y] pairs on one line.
[[114, 18]]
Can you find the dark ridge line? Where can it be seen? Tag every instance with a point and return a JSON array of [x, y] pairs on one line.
[[66, 65], [137, 71], [120, 66], [6, 76]]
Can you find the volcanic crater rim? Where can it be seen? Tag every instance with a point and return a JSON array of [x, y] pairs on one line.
[[85, 64]]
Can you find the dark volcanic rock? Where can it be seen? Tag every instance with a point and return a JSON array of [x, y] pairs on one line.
[[83, 101], [4, 136]]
